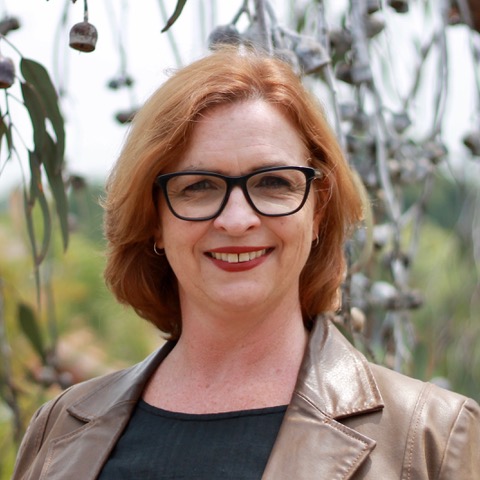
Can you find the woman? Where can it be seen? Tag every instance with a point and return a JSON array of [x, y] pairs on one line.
[[225, 216]]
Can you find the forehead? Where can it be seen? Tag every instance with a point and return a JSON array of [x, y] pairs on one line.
[[251, 134]]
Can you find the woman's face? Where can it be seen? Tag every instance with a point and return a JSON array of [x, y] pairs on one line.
[[267, 254]]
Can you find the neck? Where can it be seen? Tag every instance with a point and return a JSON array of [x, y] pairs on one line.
[[214, 341], [231, 367]]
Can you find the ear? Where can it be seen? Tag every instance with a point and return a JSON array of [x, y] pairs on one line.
[[316, 226], [158, 236]]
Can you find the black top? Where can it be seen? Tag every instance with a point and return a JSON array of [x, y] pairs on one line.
[[158, 444]]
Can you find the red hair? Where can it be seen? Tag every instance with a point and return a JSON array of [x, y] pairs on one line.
[[158, 138]]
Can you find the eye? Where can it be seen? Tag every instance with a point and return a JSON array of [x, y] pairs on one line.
[[193, 186], [200, 186], [272, 182]]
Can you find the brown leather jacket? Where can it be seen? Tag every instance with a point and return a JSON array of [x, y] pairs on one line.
[[348, 419]]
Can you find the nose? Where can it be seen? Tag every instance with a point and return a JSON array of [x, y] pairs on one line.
[[237, 216]]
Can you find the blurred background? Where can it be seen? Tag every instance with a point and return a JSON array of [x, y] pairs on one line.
[[399, 81]]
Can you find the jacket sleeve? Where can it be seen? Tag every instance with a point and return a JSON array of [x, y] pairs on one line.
[[462, 453], [443, 437], [33, 439]]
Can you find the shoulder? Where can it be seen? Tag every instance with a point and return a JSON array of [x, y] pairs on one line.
[[440, 428], [83, 403], [408, 393], [48, 414]]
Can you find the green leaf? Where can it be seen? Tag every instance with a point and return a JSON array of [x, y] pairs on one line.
[[57, 186], [37, 112], [28, 207], [30, 327], [176, 14], [37, 76], [37, 192]]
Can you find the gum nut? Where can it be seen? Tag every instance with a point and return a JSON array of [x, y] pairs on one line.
[[340, 41], [374, 26], [83, 37], [344, 73], [373, 6], [401, 121], [8, 24], [114, 84], [7, 72], [472, 142], [311, 55], [400, 6], [358, 319], [361, 73], [125, 116], [224, 35]]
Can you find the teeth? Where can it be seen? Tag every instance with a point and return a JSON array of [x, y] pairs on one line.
[[238, 258]]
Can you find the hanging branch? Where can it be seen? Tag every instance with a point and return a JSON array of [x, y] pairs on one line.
[[440, 97], [85, 11], [265, 38], [323, 38]]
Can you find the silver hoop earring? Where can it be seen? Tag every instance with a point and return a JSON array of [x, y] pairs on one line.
[[316, 242], [160, 253]]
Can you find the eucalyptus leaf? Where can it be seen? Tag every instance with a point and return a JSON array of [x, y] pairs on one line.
[[30, 326], [57, 186], [37, 76], [36, 110], [37, 192], [176, 14]]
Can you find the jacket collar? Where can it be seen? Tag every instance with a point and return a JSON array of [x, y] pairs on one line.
[[334, 382], [99, 418]]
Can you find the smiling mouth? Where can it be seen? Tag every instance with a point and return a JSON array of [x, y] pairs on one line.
[[238, 257]]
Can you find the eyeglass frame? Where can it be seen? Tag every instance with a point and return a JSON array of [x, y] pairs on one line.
[[240, 181]]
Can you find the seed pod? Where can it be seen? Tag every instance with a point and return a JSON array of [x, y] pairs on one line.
[[400, 6], [472, 142], [8, 24], [373, 6], [7, 72], [311, 55], [77, 183], [401, 121], [224, 35], [126, 116], [354, 74], [358, 319], [120, 81], [374, 25], [83, 37], [361, 73], [340, 41]]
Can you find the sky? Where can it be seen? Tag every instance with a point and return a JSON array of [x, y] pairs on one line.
[[94, 138]]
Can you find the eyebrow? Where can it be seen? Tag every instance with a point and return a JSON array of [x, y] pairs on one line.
[[196, 168]]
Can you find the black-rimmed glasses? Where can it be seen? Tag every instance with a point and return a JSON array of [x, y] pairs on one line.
[[272, 192]]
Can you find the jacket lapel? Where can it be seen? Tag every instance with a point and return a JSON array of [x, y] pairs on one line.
[[334, 382], [99, 424]]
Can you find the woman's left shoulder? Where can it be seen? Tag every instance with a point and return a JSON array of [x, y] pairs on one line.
[[440, 428], [408, 393]]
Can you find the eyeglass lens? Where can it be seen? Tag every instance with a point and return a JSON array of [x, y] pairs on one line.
[[274, 192]]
